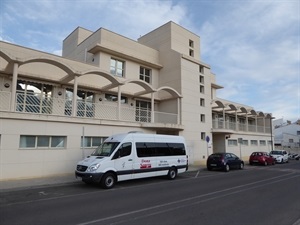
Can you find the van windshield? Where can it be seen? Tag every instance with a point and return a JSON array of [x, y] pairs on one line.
[[105, 149]]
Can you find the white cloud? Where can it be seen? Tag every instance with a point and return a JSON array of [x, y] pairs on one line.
[[254, 50]]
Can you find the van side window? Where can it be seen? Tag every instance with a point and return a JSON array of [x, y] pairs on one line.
[[123, 151], [162, 149], [145, 149], [177, 148], [151, 149]]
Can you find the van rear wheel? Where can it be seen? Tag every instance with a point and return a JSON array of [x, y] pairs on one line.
[[172, 173], [108, 180]]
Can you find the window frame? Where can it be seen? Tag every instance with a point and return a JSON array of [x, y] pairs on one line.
[[35, 145], [114, 67], [202, 102], [114, 98], [232, 142], [143, 76], [102, 139], [253, 142]]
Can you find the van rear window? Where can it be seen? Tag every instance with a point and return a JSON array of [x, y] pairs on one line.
[[152, 149]]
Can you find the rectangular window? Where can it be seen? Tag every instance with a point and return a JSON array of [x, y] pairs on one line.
[[202, 89], [117, 67], [114, 98], [201, 79], [92, 142], [203, 135], [291, 140], [202, 118], [43, 141], [262, 143], [232, 142], [245, 142], [191, 43], [145, 74], [31, 141], [254, 142], [298, 132], [143, 111], [191, 52], [85, 106], [27, 141], [201, 69], [85, 103], [202, 102], [33, 97], [57, 142]]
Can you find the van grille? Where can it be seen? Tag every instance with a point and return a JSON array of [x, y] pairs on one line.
[[81, 168]]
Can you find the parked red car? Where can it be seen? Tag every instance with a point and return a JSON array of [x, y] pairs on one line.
[[262, 158]]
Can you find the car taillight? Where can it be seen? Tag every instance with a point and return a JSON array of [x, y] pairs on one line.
[[222, 160]]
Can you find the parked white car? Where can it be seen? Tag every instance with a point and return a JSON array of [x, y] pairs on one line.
[[281, 156]]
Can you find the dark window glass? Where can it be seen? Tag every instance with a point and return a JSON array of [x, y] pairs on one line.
[[147, 149]]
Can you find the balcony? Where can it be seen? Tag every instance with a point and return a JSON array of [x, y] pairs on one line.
[[235, 127], [35, 104]]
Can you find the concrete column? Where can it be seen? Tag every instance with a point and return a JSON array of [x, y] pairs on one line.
[[179, 115], [247, 124], [224, 118], [14, 88], [236, 121], [119, 103], [74, 102], [152, 107], [256, 123]]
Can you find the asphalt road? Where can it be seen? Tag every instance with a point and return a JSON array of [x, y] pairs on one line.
[[256, 195]]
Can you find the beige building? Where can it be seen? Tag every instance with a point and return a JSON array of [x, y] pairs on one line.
[[54, 110]]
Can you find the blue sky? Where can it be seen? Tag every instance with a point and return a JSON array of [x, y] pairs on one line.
[[252, 46]]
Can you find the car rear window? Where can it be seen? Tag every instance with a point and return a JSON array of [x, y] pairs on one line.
[[257, 154], [216, 156], [277, 152]]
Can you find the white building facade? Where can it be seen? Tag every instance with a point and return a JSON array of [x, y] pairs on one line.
[[54, 110], [287, 135]]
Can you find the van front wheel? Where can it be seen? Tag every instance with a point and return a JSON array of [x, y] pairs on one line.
[[172, 173], [108, 180]]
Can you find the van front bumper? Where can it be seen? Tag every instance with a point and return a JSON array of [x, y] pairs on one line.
[[89, 177]]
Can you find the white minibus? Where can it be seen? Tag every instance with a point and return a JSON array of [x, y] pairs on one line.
[[134, 155]]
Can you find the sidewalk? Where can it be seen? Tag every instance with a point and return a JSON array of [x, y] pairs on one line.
[[20, 184], [29, 183]]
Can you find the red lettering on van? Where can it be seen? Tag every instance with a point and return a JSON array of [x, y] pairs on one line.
[[145, 166]]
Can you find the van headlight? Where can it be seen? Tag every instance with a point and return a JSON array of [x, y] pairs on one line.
[[93, 167]]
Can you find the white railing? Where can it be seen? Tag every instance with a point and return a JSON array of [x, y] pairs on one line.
[[40, 104], [218, 124], [5, 100], [160, 117]]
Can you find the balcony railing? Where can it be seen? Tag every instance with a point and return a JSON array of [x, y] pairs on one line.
[[41, 104], [240, 127]]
